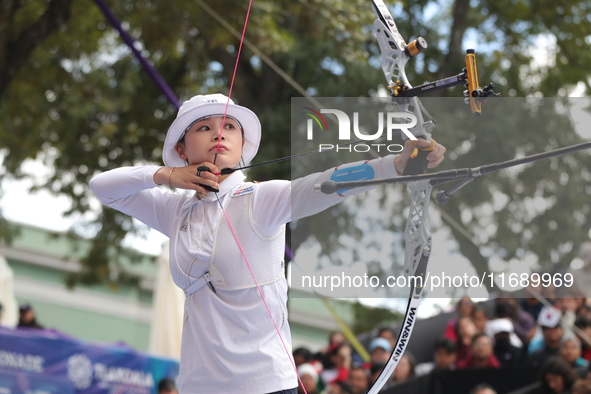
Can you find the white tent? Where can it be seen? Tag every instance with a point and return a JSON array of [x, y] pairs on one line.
[[7, 299], [167, 318]]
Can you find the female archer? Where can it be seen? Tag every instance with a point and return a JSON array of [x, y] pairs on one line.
[[227, 242]]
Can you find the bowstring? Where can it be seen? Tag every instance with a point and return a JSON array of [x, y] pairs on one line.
[[260, 291]]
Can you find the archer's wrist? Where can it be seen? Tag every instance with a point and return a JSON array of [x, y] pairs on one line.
[[161, 175]]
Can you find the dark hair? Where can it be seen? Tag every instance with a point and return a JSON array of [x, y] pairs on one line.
[[461, 301], [305, 353], [583, 322], [386, 329], [482, 386], [478, 336], [557, 366], [376, 367], [358, 367], [479, 309], [583, 308], [332, 334], [333, 351], [166, 384], [345, 387], [446, 344], [582, 386], [412, 361], [505, 309]]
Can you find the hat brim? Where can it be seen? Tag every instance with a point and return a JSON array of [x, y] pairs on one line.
[[250, 124]]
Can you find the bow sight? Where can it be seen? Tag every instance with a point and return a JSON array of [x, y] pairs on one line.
[[392, 45]]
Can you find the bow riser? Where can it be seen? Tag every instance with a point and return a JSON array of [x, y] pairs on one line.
[[416, 235], [395, 56], [394, 61]]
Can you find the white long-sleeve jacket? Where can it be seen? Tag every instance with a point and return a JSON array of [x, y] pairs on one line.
[[229, 344]]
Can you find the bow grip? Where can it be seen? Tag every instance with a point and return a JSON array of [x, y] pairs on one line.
[[417, 164]]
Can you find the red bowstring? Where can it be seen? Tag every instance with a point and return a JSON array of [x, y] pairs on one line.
[[232, 81], [228, 219]]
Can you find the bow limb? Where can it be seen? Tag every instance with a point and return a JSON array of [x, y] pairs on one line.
[[395, 54], [417, 252]]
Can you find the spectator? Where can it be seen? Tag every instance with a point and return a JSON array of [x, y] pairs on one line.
[[465, 331], [500, 331], [389, 334], [480, 318], [583, 323], [339, 388], [167, 386], [556, 376], [444, 358], [532, 305], [27, 318], [301, 356], [568, 303], [309, 376], [464, 308], [584, 311], [482, 354], [338, 365], [483, 389], [493, 325], [374, 371], [405, 369], [582, 386], [524, 325], [335, 337], [552, 333], [379, 350], [570, 351], [445, 355], [358, 380]]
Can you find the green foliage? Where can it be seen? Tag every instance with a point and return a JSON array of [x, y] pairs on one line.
[[367, 319], [83, 105]]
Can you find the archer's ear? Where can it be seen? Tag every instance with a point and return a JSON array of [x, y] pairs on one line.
[[180, 150]]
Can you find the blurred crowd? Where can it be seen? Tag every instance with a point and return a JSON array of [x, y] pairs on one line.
[[516, 332], [547, 328]]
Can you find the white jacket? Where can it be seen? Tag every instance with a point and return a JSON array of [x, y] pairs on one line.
[[229, 343]]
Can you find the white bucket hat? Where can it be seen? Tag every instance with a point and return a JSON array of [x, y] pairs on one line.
[[206, 105]]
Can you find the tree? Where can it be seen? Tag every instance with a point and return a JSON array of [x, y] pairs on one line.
[[79, 101]]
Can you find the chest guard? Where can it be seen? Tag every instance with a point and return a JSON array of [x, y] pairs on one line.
[[265, 254]]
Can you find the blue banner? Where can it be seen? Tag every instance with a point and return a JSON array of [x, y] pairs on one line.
[[48, 362]]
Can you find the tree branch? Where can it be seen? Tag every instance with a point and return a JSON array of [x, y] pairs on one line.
[[17, 52], [454, 57]]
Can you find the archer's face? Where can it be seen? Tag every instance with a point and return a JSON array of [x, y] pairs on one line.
[[202, 141]]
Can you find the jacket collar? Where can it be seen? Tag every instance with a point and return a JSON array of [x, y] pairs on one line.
[[235, 179]]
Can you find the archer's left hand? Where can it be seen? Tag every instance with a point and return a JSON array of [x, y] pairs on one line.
[[435, 157]]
